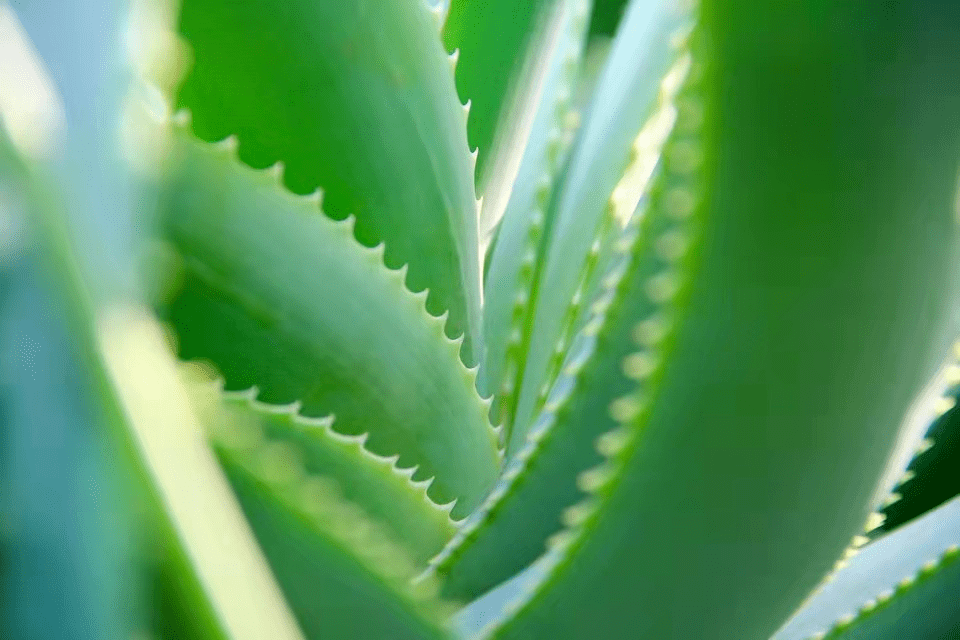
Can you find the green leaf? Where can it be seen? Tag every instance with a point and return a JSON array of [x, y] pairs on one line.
[[932, 477], [498, 44], [510, 270], [280, 297], [806, 313], [384, 491], [343, 577], [512, 526], [358, 99], [890, 584], [589, 205]]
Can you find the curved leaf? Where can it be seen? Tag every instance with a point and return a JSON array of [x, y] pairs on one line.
[[358, 99], [385, 492], [498, 43], [343, 577], [279, 296], [588, 207], [805, 316], [895, 559], [510, 270]]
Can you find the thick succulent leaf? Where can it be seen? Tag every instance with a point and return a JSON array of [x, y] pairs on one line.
[[511, 527], [342, 575], [566, 21], [279, 296], [784, 342], [499, 43], [922, 606], [509, 275], [358, 99], [934, 475], [877, 586], [385, 492], [610, 149]]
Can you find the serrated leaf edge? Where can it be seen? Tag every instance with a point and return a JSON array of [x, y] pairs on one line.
[[317, 500], [670, 247], [653, 336], [884, 599], [228, 148]]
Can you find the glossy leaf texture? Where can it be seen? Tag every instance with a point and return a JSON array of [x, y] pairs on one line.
[[934, 476], [806, 314], [497, 43], [278, 296], [539, 482], [621, 135], [341, 575], [357, 99], [509, 274], [901, 585], [384, 492]]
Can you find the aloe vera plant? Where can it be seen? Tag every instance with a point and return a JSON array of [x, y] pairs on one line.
[[470, 319]]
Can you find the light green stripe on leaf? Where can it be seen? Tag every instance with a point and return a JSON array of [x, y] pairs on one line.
[[510, 273], [278, 296], [814, 303], [356, 98], [586, 204], [342, 576], [862, 590], [511, 528], [498, 43], [384, 491]]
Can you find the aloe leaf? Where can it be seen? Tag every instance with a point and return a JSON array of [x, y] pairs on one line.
[[877, 570], [587, 207], [931, 477], [922, 606], [510, 270], [565, 19], [511, 528], [357, 99], [784, 342], [499, 44], [374, 483], [343, 577], [280, 297]]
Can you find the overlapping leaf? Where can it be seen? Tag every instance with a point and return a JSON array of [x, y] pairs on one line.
[[280, 297], [356, 98], [804, 317]]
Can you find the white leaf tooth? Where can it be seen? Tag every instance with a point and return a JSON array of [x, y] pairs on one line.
[[228, 145], [891, 499], [349, 224], [408, 472], [874, 521], [923, 446], [248, 395], [442, 318], [439, 13], [473, 169], [315, 422], [182, 118], [424, 485], [454, 58], [466, 108], [449, 507], [275, 171], [314, 198], [401, 272]]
